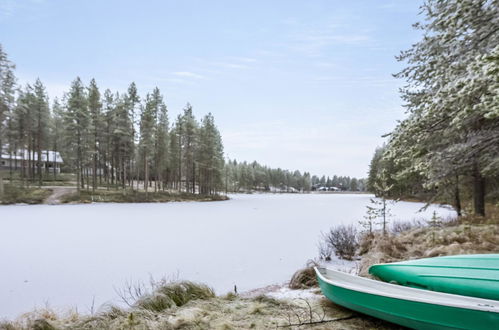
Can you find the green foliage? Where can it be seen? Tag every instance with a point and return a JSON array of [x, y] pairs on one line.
[[244, 176]]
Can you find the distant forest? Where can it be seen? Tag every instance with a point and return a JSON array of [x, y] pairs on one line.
[[118, 140], [447, 149]]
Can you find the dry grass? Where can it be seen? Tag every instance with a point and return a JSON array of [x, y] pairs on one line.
[[174, 294], [15, 194], [196, 308], [129, 196], [469, 235], [304, 278]]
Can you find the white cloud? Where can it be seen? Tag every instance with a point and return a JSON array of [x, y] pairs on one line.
[[313, 43], [9, 8], [188, 74]]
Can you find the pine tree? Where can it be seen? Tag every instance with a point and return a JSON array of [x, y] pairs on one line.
[[452, 129], [7, 85], [41, 115], [188, 136], [56, 131], [147, 125], [209, 156], [77, 121], [133, 101], [95, 109]]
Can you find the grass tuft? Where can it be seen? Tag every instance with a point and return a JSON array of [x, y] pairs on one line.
[[304, 278], [174, 294]]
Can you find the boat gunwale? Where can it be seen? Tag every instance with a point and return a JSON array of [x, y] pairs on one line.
[[488, 304], [395, 264]]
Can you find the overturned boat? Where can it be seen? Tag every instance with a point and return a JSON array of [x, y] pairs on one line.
[[410, 307], [475, 275]]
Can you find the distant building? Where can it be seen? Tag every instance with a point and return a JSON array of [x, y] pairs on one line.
[[51, 160]]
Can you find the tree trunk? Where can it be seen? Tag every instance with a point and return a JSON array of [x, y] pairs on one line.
[[39, 166], [478, 192], [94, 172], [146, 174], [457, 198], [1, 185]]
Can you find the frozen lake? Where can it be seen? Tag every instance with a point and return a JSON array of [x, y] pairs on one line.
[[68, 255]]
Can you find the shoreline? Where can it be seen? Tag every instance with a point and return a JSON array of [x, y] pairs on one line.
[[274, 304], [66, 195]]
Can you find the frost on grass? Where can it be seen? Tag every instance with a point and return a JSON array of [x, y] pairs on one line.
[[186, 305], [468, 235]]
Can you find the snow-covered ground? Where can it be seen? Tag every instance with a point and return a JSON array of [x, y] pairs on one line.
[[71, 255]]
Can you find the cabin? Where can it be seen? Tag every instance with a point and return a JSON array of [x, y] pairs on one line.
[[51, 160]]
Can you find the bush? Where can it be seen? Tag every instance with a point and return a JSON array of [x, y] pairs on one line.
[[325, 250], [343, 240]]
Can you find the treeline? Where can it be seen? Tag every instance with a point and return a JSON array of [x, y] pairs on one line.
[[244, 176], [110, 139], [448, 146], [344, 183], [118, 140]]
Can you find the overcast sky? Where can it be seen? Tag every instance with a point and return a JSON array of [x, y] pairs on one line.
[[294, 84]]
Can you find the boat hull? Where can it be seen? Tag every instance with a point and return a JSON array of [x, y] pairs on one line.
[[412, 314], [468, 275]]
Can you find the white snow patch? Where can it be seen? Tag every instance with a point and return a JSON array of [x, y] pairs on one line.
[[286, 293], [346, 266]]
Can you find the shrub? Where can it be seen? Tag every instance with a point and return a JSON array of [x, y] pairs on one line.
[[325, 250], [343, 240]]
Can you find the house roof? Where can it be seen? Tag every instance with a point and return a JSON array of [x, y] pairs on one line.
[[51, 156]]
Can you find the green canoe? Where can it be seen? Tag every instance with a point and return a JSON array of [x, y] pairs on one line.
[[410, 307], [470, 275]]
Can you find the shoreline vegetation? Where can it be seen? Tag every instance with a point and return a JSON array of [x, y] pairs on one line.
[[63, 190], [299, 303], [65, 193], [56, 195]]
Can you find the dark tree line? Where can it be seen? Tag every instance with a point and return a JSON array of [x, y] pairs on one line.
[[344, 183], [244, 176]]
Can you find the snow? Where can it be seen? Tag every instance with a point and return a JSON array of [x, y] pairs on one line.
[[69, 255], [286, 293]]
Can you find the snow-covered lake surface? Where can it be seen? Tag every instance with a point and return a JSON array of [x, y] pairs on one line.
[[68, 255]]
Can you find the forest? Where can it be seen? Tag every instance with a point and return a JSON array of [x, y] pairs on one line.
[[112, 140], [447, 149]]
